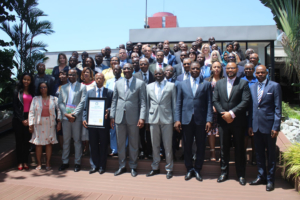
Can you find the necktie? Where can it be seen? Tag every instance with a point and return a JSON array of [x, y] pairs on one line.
[[194, 87], [160, 65], [98, 93], [159, 91], [127, 83], [260, 92], [145, 78], [187, 75]]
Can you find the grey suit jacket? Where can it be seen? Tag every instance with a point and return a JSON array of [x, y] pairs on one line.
[[78, 99], [161, 111], [133, 102], [152, 67], [177, 70]]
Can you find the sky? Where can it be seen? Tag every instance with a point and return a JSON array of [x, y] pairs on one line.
[[94, 24]]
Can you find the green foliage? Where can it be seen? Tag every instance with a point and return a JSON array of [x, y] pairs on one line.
[[5, 7], [48, 71], [292, 160], [289, 112]]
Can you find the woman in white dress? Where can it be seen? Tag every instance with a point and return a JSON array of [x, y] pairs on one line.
[[42, 123]]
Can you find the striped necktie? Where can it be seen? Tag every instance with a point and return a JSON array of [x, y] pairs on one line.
[[260, 92]]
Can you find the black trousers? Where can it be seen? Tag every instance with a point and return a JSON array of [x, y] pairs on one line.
[[145, 139], [262, 142], [190, 132], [22, 137], [238, 133], [98, 139]]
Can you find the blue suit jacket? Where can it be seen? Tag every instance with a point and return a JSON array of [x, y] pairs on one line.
[[171, 60], [200, 105], [266, 115]]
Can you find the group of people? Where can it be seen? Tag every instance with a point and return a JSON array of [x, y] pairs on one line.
[[155, 97]]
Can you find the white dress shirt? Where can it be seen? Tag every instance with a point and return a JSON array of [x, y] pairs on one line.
[[229, 88], [130, 80], [166, 59], [162, 86], [71, 92], [157, 65], [185, 76], [101, 91]]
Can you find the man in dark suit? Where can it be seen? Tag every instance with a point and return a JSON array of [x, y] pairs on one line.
[[178, 68], [248, 52], [168, 58], [231, 58], [199, 42], [194, 113], [129, 48], [98, 137], [166, 42], [186, 74], [107, 57], [211, 42], [231, 99], [183, 47], [159, 62], [265, 125], [145, 138]]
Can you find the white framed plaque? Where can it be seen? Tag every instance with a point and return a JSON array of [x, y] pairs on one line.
[[96, 113]]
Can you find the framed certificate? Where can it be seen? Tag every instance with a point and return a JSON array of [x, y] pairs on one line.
[[96, 112]]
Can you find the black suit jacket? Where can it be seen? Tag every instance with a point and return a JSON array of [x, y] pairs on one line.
[[139, 75], [237, 102], [92, 93]]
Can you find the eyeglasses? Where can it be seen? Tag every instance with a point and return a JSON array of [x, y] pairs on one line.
[[231, 57], [143, 64], [186, 63]]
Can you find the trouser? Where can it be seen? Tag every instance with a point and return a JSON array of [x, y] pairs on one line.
[[22, 137], [225, 132], [113, 140], [72, 130], [132, 132], [98, 146], [174, 144], [190, 132], [164, 133], [145, 140], [265, 141]]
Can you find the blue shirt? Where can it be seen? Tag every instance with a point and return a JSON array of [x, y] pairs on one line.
[[253, 81], [205, 71]]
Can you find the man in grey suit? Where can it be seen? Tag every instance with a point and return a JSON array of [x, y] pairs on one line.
[[159, 62], [161, 104], [71, 102], [128, 112]]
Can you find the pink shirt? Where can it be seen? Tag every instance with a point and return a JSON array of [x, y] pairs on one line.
[[45, 110], [27, 98]]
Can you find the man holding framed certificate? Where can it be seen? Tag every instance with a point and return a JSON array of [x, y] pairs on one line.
[[95, 114]]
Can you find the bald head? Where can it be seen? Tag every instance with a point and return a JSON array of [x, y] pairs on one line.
[[99, 79], [254, 58], [169, 72]]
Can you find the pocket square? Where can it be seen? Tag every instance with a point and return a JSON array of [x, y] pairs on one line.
[[269, 93]]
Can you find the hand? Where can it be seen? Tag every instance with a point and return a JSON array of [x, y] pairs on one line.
[[106, 114], [250, 131], [208, 127], [112, 123], [25, 122], [140, 123], [31, 129], [58, 127], [227, 117], [214, 109], [274, 134], [84, 123], [177, 126], [70, 117]]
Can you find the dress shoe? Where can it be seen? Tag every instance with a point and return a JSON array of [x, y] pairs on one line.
[[270, 187], [20, 168], [120, 171], [242, 181], [101, 170], [198, 176], [169, 174], [77, 168], [93, 170], [222, 178], [63, 167], [134, 173], [26, 168], [189, 175], [258, 181], [153, 172]]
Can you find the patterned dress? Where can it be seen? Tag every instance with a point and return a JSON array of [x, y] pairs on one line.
[[214, 128]]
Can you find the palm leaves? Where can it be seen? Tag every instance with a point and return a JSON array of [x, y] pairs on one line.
[[23, 34]]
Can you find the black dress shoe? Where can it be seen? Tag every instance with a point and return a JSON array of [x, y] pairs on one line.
[[63, 167], [222, 178], [198, 176], [120, 171], [258, 181], [189, 175], [169, 174], [101, 170], [93, 170], [153, 172], [77, 168], [134, 173], [242, 181], [270, 187]]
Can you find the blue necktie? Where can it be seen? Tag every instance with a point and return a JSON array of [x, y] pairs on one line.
[[194, 87], [98, 94], [260, 92]]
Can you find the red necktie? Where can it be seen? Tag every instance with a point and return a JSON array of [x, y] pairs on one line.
[[160, 66]]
